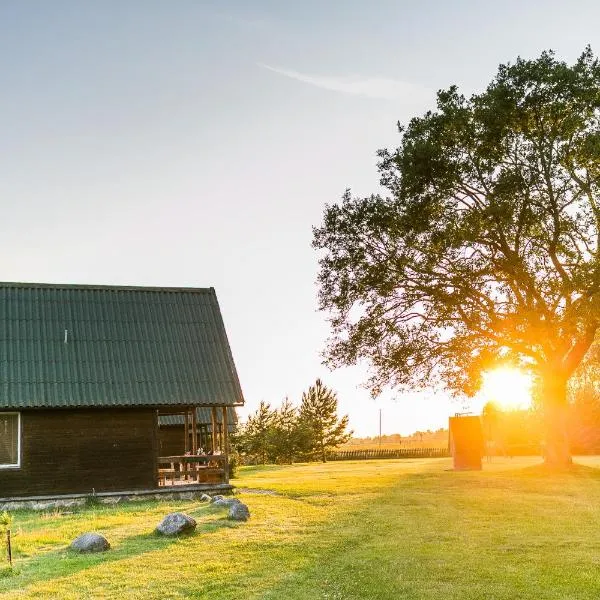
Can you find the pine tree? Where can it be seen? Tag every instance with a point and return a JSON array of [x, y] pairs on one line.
[[255, 437], [285, 434], [323, 430]]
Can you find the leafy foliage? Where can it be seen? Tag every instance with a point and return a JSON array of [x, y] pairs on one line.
[[5, 525], [511, 432], [584, 396], [5, 521], [486, 248]]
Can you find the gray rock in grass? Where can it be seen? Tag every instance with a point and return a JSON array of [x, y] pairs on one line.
[[176, 524], [239, 512], [90, 542], [205, 498], [226, 502]]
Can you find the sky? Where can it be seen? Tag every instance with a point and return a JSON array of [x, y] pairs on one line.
[[195, 143]]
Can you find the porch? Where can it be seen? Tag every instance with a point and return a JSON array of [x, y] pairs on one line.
[[204, 455]]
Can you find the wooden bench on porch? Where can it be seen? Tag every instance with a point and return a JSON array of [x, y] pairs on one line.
[[189, 468]]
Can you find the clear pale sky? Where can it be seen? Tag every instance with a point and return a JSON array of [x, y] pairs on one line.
[[192, 143]]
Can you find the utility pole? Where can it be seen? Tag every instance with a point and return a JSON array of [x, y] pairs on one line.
[[380, 429]]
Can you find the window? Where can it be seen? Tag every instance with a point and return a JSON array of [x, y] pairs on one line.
[[10, 440]]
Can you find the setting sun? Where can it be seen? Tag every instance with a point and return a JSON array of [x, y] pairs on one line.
[[508, 387]]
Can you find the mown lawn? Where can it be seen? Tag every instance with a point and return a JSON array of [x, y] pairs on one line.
[[377, 529]]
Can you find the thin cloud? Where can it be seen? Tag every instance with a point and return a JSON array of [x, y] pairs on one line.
[[371, 87]]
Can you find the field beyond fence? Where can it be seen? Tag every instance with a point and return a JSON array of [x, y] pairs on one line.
[[371, 453]]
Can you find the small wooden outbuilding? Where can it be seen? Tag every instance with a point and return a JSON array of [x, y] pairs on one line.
[[466, 442], [87, 372]]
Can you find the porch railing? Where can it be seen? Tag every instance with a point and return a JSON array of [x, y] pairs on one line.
[[189, 469]]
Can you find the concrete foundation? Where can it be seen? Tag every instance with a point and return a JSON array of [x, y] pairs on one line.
[[181, 492]]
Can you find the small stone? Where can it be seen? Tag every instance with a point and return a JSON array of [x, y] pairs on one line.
[[205, 498], [216, 498], [90, 542], [239, 512], [175, 524]]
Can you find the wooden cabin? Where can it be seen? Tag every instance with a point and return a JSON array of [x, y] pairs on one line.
[[87, 373]]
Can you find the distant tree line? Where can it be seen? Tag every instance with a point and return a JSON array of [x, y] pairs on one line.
[[417, 439], [291, 434]]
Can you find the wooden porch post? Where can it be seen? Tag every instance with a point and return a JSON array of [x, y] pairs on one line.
[[186, 432], [194, 432], [213, 422], [225, 431], [226, 444]]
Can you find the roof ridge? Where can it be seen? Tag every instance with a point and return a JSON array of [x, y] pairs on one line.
[[84, 286]]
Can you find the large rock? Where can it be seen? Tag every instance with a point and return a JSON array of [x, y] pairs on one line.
[[239, 512], [225, 502], [90, 542], [175, 524]]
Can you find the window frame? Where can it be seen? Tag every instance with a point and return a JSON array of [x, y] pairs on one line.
[[16, 465]]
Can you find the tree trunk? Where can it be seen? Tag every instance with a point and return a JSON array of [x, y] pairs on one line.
[[557, 453]]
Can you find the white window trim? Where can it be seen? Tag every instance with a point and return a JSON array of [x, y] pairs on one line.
[[18, 463]]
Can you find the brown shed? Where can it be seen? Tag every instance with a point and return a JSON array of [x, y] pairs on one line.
[[466, 442]]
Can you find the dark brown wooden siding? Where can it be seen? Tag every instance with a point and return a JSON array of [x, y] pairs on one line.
[[77, 451], [171, 439]]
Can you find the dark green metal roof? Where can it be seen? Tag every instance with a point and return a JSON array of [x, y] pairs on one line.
[[203, 418], [125, 346]]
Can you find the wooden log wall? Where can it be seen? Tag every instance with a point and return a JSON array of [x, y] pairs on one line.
[[77, 451]]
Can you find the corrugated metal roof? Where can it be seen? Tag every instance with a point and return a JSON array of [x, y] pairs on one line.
[[125, 346], [203, 418]]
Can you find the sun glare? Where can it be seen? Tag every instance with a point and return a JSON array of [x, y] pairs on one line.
[[507, 387]]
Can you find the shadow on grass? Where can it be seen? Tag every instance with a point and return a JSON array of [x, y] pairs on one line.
[[574, 471], [543, 471], [64, 562]]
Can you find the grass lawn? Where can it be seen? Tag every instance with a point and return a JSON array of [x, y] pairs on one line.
[[376, 529]]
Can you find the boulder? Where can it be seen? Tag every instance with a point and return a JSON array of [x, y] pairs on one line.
[[226, 502], [176, 524], [239, 512], [90, 542], [217, 498]]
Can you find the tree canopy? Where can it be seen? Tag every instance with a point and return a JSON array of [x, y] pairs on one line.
[[485, 247]]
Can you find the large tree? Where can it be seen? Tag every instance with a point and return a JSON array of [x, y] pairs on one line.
[[484, 249]]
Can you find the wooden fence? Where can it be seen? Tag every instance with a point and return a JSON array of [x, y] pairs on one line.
[[388, 453]]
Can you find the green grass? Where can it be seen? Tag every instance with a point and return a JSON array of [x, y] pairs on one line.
[[376, 529]]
